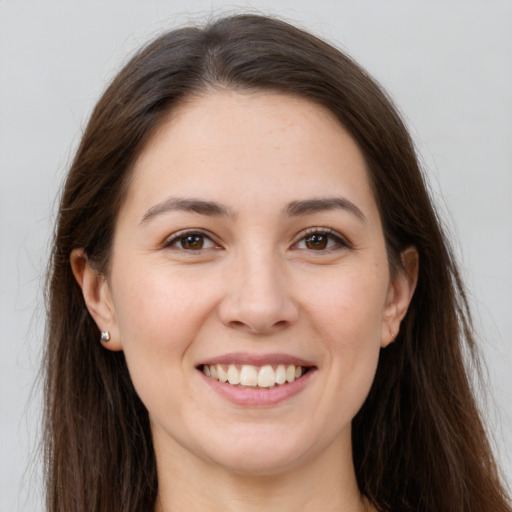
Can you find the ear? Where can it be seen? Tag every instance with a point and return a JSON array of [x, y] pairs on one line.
[[400, 292], [97, 297]]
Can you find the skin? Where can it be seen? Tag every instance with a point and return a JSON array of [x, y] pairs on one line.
[[259, 285]]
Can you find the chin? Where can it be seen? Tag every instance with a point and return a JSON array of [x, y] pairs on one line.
[[252, 463], [261, 453]]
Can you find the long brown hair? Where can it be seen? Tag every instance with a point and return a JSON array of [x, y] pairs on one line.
[[418, 441]]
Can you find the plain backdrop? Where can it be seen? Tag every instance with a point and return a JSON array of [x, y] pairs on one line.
[[447, 64]]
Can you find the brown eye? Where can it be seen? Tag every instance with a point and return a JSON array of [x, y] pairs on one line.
[[321, 240], [317, 242], [192, 242]]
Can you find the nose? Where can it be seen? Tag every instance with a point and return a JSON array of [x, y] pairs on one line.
[[258, 298]]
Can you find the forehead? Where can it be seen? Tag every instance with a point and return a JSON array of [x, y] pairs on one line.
[[249, 147]]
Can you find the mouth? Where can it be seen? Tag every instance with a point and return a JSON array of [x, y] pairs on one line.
[[248, 376]]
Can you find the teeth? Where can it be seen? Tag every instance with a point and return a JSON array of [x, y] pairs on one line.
[[266, 377], [233, 374], [280, 374], [248, 376], [223, 376], [290, 373], [253, 376]]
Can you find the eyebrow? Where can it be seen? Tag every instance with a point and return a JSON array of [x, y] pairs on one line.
[[214, 209], [200, 206], [311, 206]]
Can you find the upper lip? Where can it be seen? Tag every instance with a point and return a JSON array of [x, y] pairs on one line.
[[242, 358]]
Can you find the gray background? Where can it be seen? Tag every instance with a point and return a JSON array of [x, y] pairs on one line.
[[448, 64]]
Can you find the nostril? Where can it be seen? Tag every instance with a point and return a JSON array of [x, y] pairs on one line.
[[258, 327], [236, 324]]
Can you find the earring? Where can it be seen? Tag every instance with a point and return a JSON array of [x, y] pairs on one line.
[[105, 336]]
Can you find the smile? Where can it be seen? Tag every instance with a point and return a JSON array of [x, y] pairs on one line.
[[250, 376]]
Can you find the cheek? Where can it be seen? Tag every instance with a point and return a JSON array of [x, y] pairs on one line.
[[158, 318], [156, 306], [349, 304], [347, 319]]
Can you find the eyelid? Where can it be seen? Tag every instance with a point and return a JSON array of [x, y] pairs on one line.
[[329, 232], [176, 236]]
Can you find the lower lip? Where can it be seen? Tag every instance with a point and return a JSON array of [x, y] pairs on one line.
[[258, 397]]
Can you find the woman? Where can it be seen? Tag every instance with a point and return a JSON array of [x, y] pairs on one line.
[[252, 305]]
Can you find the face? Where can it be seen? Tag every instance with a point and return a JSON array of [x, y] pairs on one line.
[[250, 248]]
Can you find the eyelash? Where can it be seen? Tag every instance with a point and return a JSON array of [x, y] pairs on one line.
[[181, 236], [327, 234], [330, 236]]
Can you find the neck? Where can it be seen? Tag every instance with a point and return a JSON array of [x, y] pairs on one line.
[[324, 483]]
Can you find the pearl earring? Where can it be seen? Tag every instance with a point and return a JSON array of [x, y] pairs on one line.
[[105, 336]]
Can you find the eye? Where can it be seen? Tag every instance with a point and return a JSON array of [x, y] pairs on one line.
[[190, 241], [318, 239]]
